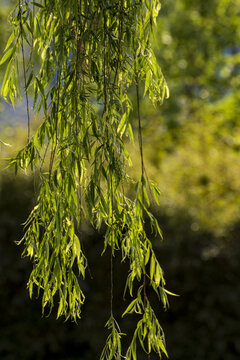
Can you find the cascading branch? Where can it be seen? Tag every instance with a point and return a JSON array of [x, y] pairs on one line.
[[90, 53]]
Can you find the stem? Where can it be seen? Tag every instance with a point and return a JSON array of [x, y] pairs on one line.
[[142, 173], [104, 64], [56, 126], [140, 133], [111, 259], [24, 67]]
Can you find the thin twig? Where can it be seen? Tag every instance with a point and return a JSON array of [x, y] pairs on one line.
[[140, 141], [24, 68], [112, 244]]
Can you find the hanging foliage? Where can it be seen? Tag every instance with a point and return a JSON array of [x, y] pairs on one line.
[[90, 53]]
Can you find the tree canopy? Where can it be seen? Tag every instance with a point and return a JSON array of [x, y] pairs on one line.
[[196, 133]]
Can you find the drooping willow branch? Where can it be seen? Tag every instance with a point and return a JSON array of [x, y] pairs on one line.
[[90, 53]]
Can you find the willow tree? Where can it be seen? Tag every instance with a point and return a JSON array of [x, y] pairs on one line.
[[90, 54]]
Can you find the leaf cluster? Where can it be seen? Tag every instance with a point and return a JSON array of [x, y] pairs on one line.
[[90, 53]]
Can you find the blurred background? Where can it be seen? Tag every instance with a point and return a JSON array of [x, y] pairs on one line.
[[192, 150]]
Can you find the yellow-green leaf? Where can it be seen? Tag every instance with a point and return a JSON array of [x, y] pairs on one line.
[[7, 55]]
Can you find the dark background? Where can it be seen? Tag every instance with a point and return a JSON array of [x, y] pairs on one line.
[[202, 323]]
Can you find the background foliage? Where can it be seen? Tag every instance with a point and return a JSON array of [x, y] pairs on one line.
[[192, 147]]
